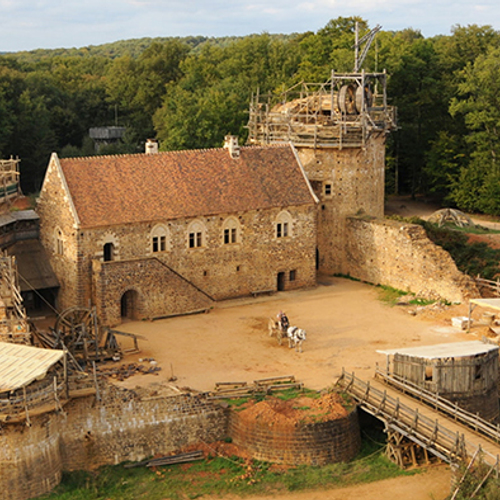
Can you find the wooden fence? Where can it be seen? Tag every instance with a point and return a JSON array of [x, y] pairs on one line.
[[429, 434], [491, 286], [474, 422]]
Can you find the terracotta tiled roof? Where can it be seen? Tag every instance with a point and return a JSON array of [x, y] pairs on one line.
[[108, 190]]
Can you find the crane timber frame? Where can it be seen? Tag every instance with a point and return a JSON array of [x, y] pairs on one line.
[[340, 113]]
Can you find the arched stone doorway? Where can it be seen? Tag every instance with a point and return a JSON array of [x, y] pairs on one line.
[[129, 305]]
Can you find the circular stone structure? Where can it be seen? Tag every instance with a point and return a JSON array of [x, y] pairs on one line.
[[300, 431]]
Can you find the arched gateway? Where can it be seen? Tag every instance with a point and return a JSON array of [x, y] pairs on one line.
[[129, 305]]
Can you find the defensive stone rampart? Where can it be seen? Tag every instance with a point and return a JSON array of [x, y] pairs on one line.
[[121, 426], [401, 255]]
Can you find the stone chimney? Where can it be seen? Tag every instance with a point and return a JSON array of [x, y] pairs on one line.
[[231, 143], [151, 147]]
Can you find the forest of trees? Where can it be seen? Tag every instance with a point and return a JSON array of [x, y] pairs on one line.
[[190, 92]]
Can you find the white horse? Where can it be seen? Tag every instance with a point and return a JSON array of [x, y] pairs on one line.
[[296, 337], [276, 330]]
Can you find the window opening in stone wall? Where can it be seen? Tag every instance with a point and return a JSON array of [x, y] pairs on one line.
[[59, 243], [229, 236], [238, 269], [108, 252], [292, 275], [328, 189], [429, 372], [160, 237], [196, 235], [159, 244], [230, 233], [195, 240], [283, 225], [478, 372], [282, 229]]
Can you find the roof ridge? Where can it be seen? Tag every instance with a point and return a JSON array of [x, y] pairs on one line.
[[173, 152]]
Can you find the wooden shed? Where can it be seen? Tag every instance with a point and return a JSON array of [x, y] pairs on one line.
[[465, 373]]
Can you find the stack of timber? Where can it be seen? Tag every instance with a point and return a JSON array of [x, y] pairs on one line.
[[169, 460], [231, 390]]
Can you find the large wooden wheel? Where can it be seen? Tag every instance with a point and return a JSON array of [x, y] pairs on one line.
[[77, 328], [347, 99]]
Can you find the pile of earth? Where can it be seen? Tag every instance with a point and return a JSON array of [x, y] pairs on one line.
[[302, 410]]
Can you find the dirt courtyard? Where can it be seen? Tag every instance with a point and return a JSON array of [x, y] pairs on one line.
[[346, 324]]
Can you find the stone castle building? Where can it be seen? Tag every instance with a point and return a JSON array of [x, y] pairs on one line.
[[152, 235]]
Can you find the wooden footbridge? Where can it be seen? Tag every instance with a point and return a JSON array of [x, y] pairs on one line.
[[417, 429]]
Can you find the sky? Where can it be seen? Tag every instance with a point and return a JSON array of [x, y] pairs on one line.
[[49, 24]]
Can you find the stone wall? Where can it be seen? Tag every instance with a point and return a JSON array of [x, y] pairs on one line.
[[30, 458], [56, 215], [288, 443], [124, 427], [216, 269], [346, 181], [120, 427], [158, 291], [401, 256]]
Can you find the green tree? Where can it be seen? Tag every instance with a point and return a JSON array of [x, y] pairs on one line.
[[137, 86], [479, 103], [415, 88]]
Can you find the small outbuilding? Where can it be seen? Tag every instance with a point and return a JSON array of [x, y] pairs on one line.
[[465, 373]]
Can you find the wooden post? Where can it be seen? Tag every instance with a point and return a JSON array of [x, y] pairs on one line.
[[97, 394], [66, 381], [28, 422]]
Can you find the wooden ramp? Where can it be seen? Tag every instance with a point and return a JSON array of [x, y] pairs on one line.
[[414, 429]]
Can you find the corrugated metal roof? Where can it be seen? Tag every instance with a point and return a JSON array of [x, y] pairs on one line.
[[6, 219], [493, 303], [21, 364], [452, 350], [25, 215]]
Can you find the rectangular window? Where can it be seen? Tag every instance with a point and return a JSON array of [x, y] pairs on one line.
[[60, 247], [159, 243], [285, 229], [195, 240], [328, 189], [229, 236], [292, 276]]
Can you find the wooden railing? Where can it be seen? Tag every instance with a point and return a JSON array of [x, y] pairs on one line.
[[474, 422], [492, 286], [430, 434]]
